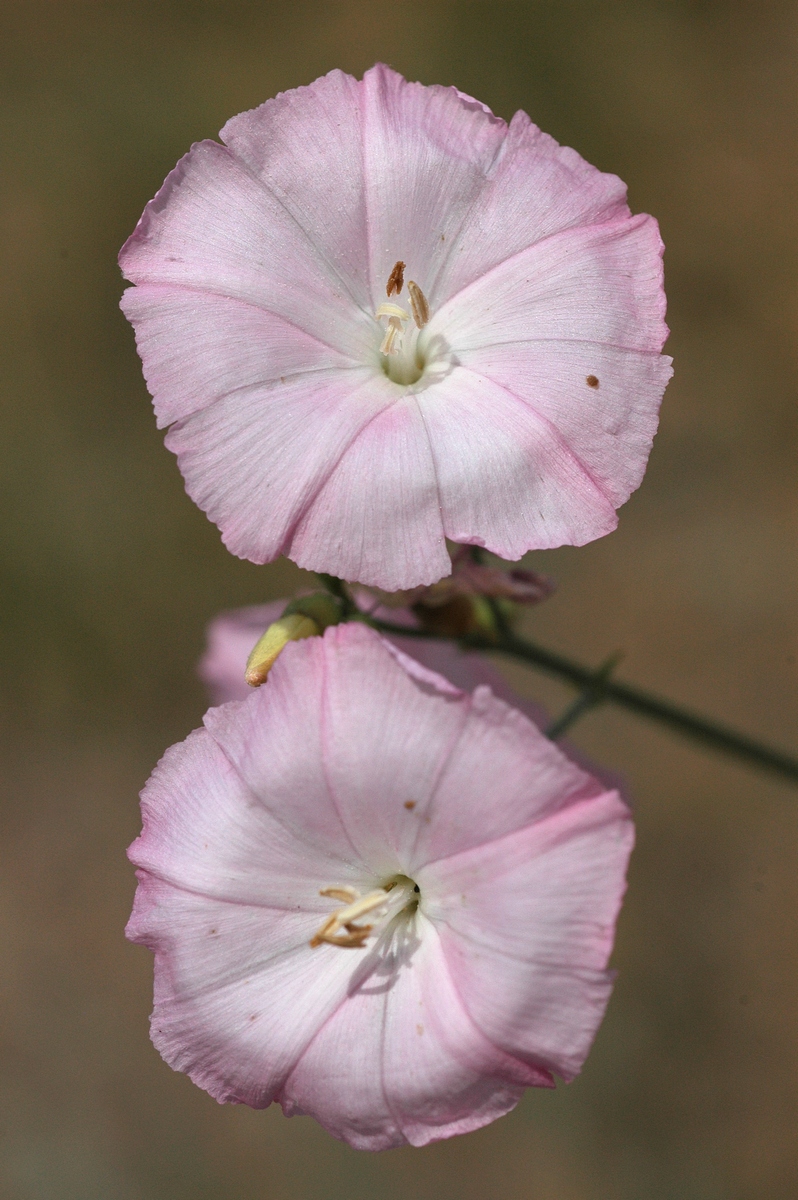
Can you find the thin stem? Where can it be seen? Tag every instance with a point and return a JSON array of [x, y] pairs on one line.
[[701, 729], [587, 699], [337, 588]]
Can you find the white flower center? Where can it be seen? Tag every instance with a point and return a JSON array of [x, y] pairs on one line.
[[344, 927], [402, 361]]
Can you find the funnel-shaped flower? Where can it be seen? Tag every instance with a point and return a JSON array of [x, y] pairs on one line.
[[378, 317], [375, 898]]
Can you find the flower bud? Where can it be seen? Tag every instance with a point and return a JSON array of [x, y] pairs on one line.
[[291, 628]]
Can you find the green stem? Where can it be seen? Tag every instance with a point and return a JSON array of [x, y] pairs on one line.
[[589, 698], [701, 729]]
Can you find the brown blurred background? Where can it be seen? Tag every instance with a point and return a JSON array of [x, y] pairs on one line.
[[109, 575]]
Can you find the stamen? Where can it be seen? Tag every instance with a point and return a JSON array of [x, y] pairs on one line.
[[345, 918], [418, 302], [341, 928], [399, 343], [395, 280]]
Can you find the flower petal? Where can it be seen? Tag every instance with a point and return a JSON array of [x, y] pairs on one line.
[[534, 189], [507, 479], [274, 741], [527, 927], [427, 154], [377, 518], [214, 226], [256, 461], [306, 145], [389, 727], [474, 802], [231, 635], [401, 1061], [206, 831], [239, 993], [600, 283], [197, 346], [602, 402]]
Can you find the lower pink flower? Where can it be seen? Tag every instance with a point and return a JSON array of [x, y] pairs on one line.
[[376, 899]]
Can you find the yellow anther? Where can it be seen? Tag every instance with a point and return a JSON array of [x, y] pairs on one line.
[[346, 894], [288, 629]]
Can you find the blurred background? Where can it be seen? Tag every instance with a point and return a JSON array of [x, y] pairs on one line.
[[109, 575]]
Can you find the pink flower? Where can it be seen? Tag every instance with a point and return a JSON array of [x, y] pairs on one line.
[[505, 396], [376, 899]]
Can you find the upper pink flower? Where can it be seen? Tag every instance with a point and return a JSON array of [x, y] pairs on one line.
[[375, 898], [506, 397]]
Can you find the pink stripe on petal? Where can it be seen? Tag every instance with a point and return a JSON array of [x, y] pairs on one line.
[[609, 423], [306, 145], [535, 189], [600, 283], [420, 1072], [428, 152], [197, 347], [274, 742], [476, 803], [527, 925], [377, 519], [374, 702], [256, 460], [214, 226], [507, 480], [239, 993], [205, 830]]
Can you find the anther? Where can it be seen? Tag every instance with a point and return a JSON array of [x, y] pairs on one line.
[[343, 928], [355, 935], [396, 280], [418, 303]]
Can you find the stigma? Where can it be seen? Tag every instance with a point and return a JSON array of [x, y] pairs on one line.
[[345, 928]]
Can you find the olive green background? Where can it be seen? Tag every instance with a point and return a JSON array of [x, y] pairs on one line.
[[109, 575]]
